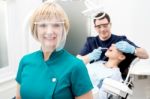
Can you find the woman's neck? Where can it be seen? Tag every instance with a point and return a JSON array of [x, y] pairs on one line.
[[47, 53], [104, 39], [112, 63]]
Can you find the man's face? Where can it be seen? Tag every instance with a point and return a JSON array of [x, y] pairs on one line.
[[103, 28]]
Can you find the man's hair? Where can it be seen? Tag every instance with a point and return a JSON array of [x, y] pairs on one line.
[[101, 16], [125, 64]]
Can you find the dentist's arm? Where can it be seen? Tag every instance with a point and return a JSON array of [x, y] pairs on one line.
[[141, 53], [128, 48], [94, 55]]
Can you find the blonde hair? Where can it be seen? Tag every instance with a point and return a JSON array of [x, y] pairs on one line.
[[49, 10]]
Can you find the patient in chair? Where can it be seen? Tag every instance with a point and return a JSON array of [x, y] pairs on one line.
[[114, 68]]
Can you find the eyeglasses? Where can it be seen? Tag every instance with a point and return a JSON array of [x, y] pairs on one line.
[[102, 25], [54, 25]]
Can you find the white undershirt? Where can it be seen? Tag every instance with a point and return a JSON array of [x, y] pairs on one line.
[[98, 72]]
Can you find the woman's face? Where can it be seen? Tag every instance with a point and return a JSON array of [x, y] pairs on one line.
[[49, 32], [113, 52]]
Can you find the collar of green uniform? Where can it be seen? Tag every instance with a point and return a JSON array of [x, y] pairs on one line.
[[54, 54]]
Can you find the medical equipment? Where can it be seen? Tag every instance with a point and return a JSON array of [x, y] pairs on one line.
[[92, 8], [104, 48], [141, 68], [120, 88]]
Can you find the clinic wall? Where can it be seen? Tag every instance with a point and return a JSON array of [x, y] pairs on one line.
[[78, 25], [141, 22]]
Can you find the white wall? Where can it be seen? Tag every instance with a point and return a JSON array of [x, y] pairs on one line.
[[141, 22]]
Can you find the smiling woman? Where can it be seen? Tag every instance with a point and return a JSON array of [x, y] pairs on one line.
[[3, 32]]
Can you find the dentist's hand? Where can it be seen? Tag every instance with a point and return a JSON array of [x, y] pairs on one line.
[[95, 54], [125, 47]]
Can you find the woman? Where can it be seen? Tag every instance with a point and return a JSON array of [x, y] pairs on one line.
[[51, 73], [98, 71]]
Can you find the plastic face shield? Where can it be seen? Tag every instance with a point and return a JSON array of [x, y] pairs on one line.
[[56, 26], [52, 25]]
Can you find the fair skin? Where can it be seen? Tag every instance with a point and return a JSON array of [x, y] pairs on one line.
[[18, 91], [48, 36], [114, 56], [103, 27]]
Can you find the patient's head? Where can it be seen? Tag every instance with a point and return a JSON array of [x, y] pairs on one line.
[[124, 59], [114, 54]]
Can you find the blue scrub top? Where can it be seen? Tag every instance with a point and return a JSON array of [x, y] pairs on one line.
[[94, 42], [62, 76]]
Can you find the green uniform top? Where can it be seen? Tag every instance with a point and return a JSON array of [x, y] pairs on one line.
[[62, 76]]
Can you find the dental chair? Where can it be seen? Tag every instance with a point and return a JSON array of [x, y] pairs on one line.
[[120, 90]]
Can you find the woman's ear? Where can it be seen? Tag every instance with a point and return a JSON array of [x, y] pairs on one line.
[[122, 57]]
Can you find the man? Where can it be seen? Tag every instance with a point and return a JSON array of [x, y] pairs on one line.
[[93, 48]]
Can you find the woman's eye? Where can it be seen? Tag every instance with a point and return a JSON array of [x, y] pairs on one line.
[[56, 25], [52, 25], [43, 25]]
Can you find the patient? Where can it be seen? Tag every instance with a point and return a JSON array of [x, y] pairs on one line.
[[114, 68]]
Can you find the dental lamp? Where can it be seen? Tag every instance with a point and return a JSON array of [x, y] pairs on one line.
[[92, 8]]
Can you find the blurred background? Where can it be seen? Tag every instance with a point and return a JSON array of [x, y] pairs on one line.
[[129, 17]]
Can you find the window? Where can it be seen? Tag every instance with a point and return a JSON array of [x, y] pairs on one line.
[[8, 40], [3, 35], [15, 40]]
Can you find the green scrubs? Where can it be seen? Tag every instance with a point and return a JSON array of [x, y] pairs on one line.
[[62, 76]]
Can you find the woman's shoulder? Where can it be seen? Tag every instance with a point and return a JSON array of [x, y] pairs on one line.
[[72, 59], [31, 56]]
